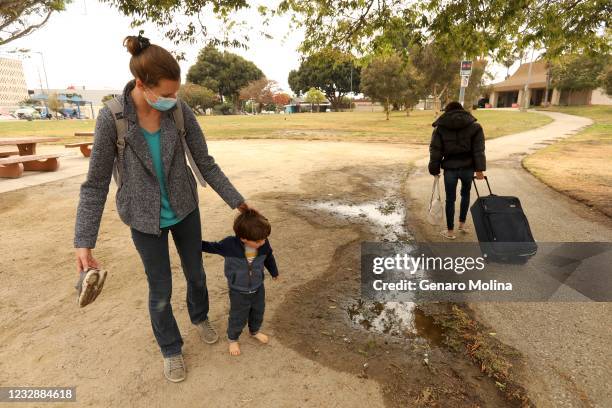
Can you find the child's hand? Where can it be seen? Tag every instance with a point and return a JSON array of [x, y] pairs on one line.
[[275, 278]]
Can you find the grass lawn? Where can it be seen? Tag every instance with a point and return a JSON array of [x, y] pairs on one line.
[[579, 165], [346, 126]]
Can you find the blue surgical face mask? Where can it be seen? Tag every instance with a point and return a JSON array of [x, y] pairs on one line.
[[162, 103]]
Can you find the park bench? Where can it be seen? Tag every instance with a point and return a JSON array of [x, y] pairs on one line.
[[83, 133], [13, 166], [84, 146]]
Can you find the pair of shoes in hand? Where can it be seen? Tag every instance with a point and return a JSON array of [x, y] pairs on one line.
[[89, 285]]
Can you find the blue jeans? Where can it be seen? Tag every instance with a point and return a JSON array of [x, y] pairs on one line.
[[153, 250], [451, 179]]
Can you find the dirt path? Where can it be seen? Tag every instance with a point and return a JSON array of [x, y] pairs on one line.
[[318, 356], [108, 351], [567, 345], [395, 344]]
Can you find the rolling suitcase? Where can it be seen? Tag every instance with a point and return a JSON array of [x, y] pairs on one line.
[[502, 228]]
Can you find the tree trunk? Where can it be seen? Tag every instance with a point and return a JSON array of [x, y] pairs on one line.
[[548, 69], [387, 108], [236, 103], [438, 101]]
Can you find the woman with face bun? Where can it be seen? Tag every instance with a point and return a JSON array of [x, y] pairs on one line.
[[157, 194]]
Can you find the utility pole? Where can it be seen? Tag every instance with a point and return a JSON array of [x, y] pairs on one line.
[[26, 52], [44, 69]]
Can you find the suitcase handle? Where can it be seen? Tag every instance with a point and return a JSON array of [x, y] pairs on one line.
[[476, 188]]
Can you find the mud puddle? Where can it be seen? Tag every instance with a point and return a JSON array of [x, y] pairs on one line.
[[403, 320], [393, 343], [383, 217]]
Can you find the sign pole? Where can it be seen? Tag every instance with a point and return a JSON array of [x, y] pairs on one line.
[[464, 72], [462, 95]]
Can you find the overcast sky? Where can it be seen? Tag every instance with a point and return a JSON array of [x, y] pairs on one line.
[[82, 46]]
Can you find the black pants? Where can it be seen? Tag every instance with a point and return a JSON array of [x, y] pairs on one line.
[[153, 250], [245, 308], [451, 179]]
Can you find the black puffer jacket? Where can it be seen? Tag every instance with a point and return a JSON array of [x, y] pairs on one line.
[[457, 142]]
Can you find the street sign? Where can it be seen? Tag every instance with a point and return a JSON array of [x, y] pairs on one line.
[[465, 72], [466, 67]]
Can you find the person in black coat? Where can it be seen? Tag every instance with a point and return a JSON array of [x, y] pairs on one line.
[[457, 146]]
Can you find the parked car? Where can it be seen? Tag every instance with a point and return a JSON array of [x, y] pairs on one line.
[[6, 116], [45, 113], [482, 102], [26, 112]]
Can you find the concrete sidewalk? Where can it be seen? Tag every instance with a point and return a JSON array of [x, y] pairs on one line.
[[567, 345], [70, 166]]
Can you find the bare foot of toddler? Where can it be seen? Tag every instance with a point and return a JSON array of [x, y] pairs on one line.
[[261, 337], [234, 348]]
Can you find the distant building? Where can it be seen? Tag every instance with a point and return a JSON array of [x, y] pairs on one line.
[[92, 95], [366, 105], [298, 104], [13, 88], [509, 92]]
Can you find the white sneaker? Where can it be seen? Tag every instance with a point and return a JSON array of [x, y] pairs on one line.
[[446, 234], [90, 285]]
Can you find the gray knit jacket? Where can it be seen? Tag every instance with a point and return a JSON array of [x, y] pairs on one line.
[[138, 200]]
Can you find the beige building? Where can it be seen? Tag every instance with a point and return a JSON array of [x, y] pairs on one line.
[[510, 92], [365, 105], [13, 88]]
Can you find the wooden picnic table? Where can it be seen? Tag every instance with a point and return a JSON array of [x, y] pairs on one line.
[[26, 145], [84, 146], [14, 165]]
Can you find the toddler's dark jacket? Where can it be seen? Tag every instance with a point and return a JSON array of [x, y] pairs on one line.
[[241, 275]]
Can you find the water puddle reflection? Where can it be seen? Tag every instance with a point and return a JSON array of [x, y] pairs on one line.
[[385, 217], [395, 319]]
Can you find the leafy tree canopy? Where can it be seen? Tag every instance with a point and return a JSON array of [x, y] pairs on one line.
[[184, 20], [478, 28], [198, 97], [388, 80], [223, 72], [579, 72], [19, 18], [314, 96], [333, 72]]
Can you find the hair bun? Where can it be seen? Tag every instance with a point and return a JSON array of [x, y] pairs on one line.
[[136, 44]]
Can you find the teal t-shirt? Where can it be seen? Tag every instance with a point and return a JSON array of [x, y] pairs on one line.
[[167, 216]]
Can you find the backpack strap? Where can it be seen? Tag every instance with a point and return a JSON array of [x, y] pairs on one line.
[[116, 108], [179, 121]]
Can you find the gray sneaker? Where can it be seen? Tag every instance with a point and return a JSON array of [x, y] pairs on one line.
[[174, 368], [207, 332]]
